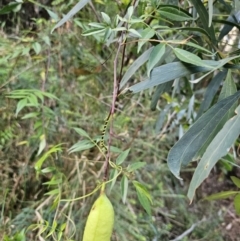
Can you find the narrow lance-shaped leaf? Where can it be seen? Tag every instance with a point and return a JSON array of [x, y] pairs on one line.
[[121, 158], [124, 188], [81, 146], [211, 91], [143, 196], [9, 8], [218, 148], [81, 132], [155, 56], [142, 59], [136, 165], [189, 57], [203, 14], [229, 87], [113, 177], [210, 12], [161, 118], [236, 181], [171, 71], [174, 13], [197, 30], [158, 92], [237, 204], [221, 195], [147, 33], [72, 12], [200, 134], [222, 62], [227, 6]]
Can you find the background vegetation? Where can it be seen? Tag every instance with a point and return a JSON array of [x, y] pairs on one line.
[[56, 93]]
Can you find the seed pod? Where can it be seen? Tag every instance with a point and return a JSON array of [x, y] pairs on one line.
[[100, 220]]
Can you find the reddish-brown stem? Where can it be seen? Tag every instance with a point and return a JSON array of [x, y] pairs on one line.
[[117, 80], [112, 110]]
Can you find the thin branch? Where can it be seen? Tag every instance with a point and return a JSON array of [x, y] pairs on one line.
[[112, 110], [188, 231], [117, 79]]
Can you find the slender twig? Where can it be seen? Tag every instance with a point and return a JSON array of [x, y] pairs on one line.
[[115, 94], [188, 231], [117, 79], [122, 64], [94, 11]]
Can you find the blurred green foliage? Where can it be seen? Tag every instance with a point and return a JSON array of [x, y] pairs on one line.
[[56, 92]]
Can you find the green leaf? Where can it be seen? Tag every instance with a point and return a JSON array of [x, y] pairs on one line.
[[52, 192], [162, 88], [236, 181], [93, 31], [9, 8], [32, 99], [134, 32], [72, 12], [237, 204], [106, 18], [188, 57], [121, 158], [174, 13], [200, 134], [81, 146], [119, 29], [124, 188], [229, 24], [135, 66], [196, 46], [146, 34], [203, 14], [143, 196], [19, 236], [20, 105], [97, 25], [210, 12], [42, 144], [130, 12], [47, 94], [53, 181], [113, 176], [195, 31], [211, 91], [227, 162], [52, 15], [161, 118], [218, 148], [40, 162], [48, 169], [81, 132], [221, 195], [165, 73], [222, 62], [229, 87], [37, 47], [134, 166], [155, 56], [143, 188]]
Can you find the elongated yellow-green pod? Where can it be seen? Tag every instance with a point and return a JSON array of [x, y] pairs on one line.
[[100, 220]]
